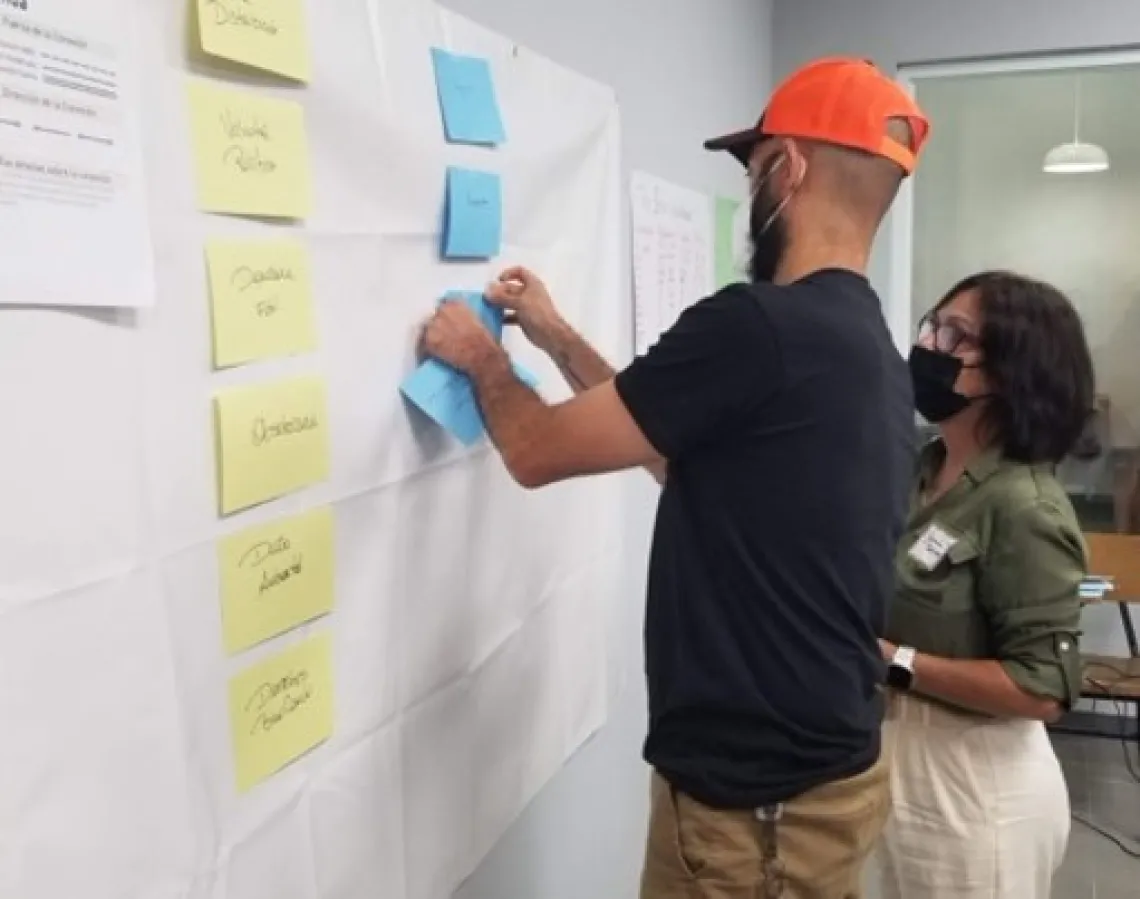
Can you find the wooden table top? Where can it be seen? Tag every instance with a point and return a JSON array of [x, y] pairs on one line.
[[1111, 677]]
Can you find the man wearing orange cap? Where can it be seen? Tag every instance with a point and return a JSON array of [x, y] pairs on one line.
[[779, 417]]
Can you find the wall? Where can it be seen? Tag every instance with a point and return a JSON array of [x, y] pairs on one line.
[[684, 70]]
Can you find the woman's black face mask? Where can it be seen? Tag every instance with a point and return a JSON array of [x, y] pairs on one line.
[[934, 375]]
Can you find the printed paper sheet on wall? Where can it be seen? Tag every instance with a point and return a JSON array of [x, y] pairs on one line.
[[73, 219]]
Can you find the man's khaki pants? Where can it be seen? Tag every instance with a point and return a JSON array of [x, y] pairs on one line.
[[814, 850]]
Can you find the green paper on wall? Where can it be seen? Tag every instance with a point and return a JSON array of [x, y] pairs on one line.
[[726, 272]]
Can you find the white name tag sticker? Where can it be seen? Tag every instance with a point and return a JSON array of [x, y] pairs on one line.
[[931, 546]]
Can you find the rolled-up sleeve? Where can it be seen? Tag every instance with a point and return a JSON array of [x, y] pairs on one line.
[[1030, 592]]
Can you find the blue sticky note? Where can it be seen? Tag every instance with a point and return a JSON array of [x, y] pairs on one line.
[[467, 99], [490, 316], [525, 375], [446, 395], [473, 215], [447, 398]]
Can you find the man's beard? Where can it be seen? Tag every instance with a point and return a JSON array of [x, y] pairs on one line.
[[768, 245]]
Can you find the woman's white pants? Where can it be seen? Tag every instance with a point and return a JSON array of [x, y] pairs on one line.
[[980, 807]]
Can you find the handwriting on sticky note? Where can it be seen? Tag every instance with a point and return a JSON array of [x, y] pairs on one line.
[[251, 153], [276, 577], [467, 99], [281, 709], [447, 398], [265, 34], [272, 439], [473, 215], [261, 297]]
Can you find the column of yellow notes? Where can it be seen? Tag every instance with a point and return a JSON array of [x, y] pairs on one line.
[[251, 158]]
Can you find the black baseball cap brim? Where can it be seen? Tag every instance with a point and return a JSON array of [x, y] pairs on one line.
[[740, 143]]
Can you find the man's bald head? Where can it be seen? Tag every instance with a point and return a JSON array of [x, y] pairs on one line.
[[859, 186]]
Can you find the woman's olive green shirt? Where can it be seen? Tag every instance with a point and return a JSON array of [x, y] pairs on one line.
[[992, 570]]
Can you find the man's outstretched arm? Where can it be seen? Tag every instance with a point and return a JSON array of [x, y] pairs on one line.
[[592, 433], [706, 378], [528, 303]]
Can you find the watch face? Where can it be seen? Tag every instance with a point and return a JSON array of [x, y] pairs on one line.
[[899, 677]]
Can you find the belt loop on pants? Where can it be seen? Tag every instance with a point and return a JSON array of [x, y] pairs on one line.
[[771, 866]]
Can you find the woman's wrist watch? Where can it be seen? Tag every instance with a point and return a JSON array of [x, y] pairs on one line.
[[900, 671]]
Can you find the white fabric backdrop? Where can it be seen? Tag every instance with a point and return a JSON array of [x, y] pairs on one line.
[[469, 633]]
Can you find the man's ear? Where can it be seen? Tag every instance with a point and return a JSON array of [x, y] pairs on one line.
[[797, 163]]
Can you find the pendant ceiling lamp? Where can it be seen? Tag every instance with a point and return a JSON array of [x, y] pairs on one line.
[[1076, 157]]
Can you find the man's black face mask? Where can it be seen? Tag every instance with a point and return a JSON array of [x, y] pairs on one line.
[[766, 230]]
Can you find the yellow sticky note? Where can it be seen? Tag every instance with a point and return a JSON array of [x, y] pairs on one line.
[[281, 709], [251, 153], [276, 577], [265, 34], [272, 439], [262, 300]]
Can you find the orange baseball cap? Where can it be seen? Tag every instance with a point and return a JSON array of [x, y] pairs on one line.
[[840, 101]]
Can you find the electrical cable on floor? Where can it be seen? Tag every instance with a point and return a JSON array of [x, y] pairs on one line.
[[1125, 742], [1120, 842]]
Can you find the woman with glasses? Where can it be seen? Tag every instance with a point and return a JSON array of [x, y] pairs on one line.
[[981, 644]]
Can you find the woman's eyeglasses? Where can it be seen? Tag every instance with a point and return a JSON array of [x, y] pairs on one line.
[[945, 336]]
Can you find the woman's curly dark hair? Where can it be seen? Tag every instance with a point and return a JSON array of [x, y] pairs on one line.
[[1037, 360]]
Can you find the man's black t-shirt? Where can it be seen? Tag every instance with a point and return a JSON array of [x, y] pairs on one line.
[[786, 414]]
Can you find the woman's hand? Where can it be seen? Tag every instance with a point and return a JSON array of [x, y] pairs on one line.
[[979, 684]]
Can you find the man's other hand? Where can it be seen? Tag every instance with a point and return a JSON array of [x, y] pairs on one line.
[[455, 335], [528, 304]]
